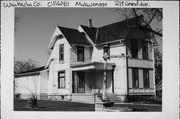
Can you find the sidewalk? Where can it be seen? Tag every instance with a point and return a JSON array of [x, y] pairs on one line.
[[138, 104]]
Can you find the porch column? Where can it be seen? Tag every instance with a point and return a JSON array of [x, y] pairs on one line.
[[105, 81]]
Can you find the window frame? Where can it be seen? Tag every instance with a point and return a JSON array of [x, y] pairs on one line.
[[146, 80], [80, 50], [134, 48], [60, 78], [135, 77], [61, 53], [145, 53], [106, 49]]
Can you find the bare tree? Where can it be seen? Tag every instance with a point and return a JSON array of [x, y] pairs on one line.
[[158, 72], [152, 16], [24, 65]]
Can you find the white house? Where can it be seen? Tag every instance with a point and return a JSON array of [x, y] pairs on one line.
[[78, 71]]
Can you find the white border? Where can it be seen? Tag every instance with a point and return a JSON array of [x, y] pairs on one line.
[[170, 71]]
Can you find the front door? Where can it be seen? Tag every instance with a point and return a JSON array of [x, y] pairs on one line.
[[79, 82]]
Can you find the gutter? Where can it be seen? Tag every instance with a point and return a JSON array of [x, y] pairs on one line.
[[30, 73], [120, 40]]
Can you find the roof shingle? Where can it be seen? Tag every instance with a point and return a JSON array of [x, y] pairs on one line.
[[91, 31], [112, 32], [74, 36]]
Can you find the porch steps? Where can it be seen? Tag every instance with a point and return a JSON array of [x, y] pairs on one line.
[[113, 97], [88, 98], [110, 97]]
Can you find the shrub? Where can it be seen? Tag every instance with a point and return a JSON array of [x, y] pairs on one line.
[[143, 99]]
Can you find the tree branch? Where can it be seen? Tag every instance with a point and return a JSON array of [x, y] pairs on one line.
[[152, 31], [151, 18], [134, 12]]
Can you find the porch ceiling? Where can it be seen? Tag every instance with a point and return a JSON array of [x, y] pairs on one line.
[[92, 66]]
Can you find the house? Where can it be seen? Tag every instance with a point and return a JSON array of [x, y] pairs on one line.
[[33, 82], [79, 71]]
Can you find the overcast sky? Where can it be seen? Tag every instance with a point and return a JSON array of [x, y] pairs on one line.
[[35, 27]]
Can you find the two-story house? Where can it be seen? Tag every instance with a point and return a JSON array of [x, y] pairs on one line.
[[77, 68]]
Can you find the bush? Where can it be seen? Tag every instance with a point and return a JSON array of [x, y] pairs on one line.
[[143, 99], [33, 102]]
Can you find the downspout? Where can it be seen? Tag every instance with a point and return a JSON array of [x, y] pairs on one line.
[[127, 72], [113, 78], [154, 72]]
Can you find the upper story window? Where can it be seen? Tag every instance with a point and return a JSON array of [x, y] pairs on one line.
[[106, 50], [145, 50], [80, 53], [61, 52], [134, 48]]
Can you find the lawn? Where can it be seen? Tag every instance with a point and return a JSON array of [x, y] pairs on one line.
[[46, 105], [141, 107]]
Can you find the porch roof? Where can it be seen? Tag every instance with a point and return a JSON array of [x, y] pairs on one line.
[[92, 66]]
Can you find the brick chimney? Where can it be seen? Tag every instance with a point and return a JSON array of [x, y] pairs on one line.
[[90, 23]]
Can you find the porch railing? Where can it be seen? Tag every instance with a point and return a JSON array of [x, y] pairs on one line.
[[139, 91]]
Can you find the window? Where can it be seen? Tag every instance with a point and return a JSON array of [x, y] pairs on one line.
[[61, 79], [145, 50], [80, 53], [134, 50], [61, 52], [146, 78], [106, 49], [135, 78]]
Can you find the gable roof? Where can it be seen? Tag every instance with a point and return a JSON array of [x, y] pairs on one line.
[[91, 31], [112, 32], [74, 36]]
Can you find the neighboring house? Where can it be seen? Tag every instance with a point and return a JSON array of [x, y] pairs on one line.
[[77, 68], [33, 82]]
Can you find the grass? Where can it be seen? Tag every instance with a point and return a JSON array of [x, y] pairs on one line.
[[141, 107], [46, 105]]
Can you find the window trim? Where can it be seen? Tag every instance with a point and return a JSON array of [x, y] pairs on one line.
[[133, 81], [145, 55], [148, 79], [78, 58], [108, 50], [59, 79], [134, 49], [61, 53]]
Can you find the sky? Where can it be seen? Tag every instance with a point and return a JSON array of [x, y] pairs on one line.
[[34, 27]]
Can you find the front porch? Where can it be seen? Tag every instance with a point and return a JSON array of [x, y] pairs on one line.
[[89, 78], [88, 81]]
